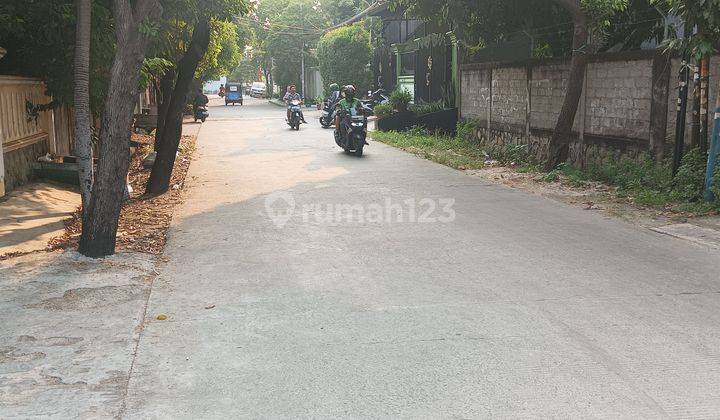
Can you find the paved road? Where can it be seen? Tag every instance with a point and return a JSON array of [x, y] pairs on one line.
[[499, 304]]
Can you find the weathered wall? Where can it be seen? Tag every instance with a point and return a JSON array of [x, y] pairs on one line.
[[18, 164], [617, 115], [22, 139], [509, 96]]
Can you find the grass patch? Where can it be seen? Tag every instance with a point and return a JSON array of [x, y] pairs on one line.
[[448, 150], [455, 151], [646, 182]]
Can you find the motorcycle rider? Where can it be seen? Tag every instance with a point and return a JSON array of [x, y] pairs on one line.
[[291, 96], [346, 107], [221, 91], [334, 94], [199, 100]]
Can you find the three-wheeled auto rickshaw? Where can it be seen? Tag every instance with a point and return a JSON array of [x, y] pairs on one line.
[[233, 94]]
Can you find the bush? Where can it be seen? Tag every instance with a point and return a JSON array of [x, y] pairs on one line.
[[715, 186], [689, 182], [344, 54], [510, 154], [400, 98], [383, 110], [467, 130], [425, 109]]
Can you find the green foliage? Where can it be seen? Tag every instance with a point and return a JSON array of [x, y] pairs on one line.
[[630, 28], [715, 186], [246, 71], [645, 181], [223, 53], [689, 183], [482, 23], [456, 151], [383, 110], [400, 98], [450, 151], [344, 55], [175, 33], [338, 11], [153, 69], [429, 108], [703, 14], [467, 129], [40, 40], [294, 30], [510, 154]]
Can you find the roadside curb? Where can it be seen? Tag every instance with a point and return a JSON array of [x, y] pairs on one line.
[[702, 235], [277, 102]]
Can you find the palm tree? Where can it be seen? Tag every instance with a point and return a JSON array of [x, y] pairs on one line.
[[83, 130]]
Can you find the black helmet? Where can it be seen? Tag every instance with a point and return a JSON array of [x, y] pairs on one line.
[[350, 90]]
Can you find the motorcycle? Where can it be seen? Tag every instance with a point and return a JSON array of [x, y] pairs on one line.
[[355, 127], [201, 113], [375, 98], [327, 117], [296, 116]]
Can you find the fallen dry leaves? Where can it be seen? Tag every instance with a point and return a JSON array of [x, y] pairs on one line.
[[144, 219]]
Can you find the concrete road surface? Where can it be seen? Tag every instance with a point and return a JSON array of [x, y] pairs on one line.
[[305, 282]]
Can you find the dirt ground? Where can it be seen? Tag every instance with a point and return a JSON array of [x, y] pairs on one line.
[[144, 219]]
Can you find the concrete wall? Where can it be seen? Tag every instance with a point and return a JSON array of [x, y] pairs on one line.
[[619, 112]]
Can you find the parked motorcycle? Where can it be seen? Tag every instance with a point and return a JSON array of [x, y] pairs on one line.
[[296, 115], [201, 113], [355, 127], [375, 98]]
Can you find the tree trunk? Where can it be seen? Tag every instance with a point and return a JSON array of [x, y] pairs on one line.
[[83, 118], [167, 83], [167, 145], [101, 220], [559, 147]]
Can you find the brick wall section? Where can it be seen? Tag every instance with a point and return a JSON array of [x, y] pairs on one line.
[[618, 100], [614, 114], [476, 99], [547, 90], [509, 96]]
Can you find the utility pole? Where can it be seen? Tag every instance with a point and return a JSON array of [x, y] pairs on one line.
[[302, 68], [681, 115]]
